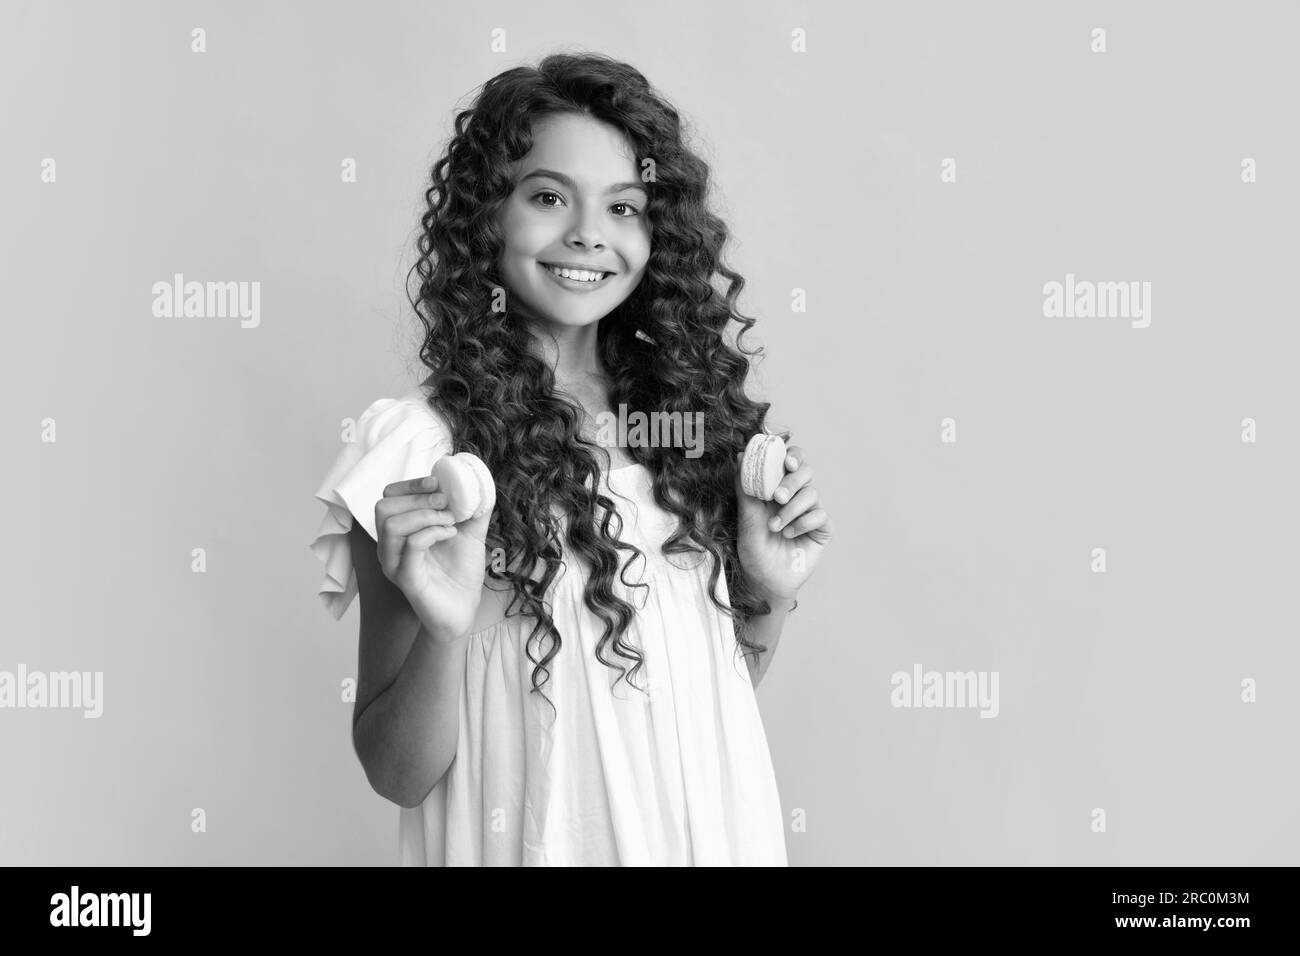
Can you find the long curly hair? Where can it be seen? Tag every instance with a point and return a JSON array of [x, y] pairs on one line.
[[663, 349]]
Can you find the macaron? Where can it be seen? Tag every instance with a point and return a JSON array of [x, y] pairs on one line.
[[471, 492], [763, 466]]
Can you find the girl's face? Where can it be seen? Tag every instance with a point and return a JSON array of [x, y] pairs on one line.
[[579, 202]]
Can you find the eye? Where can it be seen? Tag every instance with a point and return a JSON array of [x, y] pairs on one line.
[[634, 212], [547, 192]]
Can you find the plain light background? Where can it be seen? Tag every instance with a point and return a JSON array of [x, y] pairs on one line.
[[1119, 691]]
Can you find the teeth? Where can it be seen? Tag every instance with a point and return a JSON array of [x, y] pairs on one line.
[[578, 274]]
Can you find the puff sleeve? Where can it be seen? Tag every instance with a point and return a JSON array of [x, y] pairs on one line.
[[396, 439]]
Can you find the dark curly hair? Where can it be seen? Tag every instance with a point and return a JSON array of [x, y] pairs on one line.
[[663, 349]]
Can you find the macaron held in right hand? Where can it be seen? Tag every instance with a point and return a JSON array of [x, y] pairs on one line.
[[468, 484], [432, 541]]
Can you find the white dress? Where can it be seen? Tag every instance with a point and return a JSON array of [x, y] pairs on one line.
[[683, 777]]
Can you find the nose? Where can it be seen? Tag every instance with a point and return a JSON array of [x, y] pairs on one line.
[[585, 233]]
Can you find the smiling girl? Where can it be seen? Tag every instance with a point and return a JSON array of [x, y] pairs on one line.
[[559, 681]]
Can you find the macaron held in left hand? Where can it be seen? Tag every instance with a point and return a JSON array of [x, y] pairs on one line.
[[781, 539]]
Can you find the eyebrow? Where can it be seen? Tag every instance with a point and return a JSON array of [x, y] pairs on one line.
[[561, 178]]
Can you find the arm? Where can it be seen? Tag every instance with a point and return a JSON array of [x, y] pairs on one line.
[[406, 720], [766, 630]]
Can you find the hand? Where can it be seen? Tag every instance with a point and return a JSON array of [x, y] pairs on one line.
[[439, 566], [777, 563]]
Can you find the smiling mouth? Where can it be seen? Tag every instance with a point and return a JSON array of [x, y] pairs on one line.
[[577, 279]]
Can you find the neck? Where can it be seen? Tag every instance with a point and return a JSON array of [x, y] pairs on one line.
[[572, 356]]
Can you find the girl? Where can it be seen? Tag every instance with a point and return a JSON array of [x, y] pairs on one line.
[[567, 259]]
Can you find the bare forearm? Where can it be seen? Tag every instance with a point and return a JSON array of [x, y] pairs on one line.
[[407, 737], [766, 630]]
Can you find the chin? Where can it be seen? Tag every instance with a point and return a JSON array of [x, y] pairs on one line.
[[573, 321]]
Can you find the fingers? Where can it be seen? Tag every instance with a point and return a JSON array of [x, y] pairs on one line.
[[411, 486], [793, 481], [423, 540], [799, 513], [397, 504], [804, 500], [395, 528], [808, 521]]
